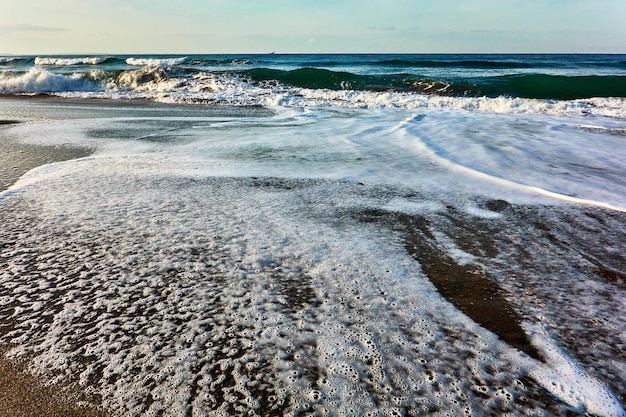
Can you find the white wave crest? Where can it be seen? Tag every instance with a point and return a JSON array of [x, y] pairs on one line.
[[66, 62], [6, 59], [166, 62], [38, 80]]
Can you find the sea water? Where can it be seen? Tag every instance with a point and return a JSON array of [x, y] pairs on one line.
[[320, 235]]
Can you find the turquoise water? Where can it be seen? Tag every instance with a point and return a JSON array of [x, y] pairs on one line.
[[526, 76]]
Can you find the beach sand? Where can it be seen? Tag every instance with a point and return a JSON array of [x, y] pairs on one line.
[[21, 394]]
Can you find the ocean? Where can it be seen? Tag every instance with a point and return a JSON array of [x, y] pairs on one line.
[[328, 235]]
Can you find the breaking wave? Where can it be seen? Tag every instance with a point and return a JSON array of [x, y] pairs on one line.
[[6, 60], [68, 62], [39, 80], [155, 61]]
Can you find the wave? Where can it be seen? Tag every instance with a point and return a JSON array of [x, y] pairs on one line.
[[534, 86], [38, 80], [308, 78], [168, 62], [427, 63], [8, 60], [67, 62], [510, 62], [314, 78], [555, 87], [619, 64], [310, 87], [199, 62], [473, 64]]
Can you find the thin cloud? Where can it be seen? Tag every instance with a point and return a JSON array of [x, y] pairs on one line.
[[391, 28], [25, 27]]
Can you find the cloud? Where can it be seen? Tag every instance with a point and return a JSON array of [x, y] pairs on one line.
[[391, 28], [25, 27]]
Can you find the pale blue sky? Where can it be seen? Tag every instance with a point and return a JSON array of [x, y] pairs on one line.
[[247, 26]]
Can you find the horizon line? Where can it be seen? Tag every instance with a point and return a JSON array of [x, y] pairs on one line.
[[12, 54]]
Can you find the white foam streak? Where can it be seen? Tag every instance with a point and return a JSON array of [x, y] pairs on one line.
[[521, 187], [180, 269], [562, 377]]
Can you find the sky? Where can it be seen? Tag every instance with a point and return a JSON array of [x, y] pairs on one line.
[[311, 26]]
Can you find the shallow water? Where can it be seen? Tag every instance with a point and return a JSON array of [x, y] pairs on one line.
[[318, 261]]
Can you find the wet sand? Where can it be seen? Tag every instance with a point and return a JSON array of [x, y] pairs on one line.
[[17, 159], [22, 394], [467, 287]]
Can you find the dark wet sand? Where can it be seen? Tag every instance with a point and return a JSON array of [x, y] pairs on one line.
[[21, 394], [467, 287]]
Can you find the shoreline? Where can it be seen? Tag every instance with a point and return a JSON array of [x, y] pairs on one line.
[[17, 159]]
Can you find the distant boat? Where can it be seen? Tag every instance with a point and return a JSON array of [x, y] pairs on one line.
[[272, 53]]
